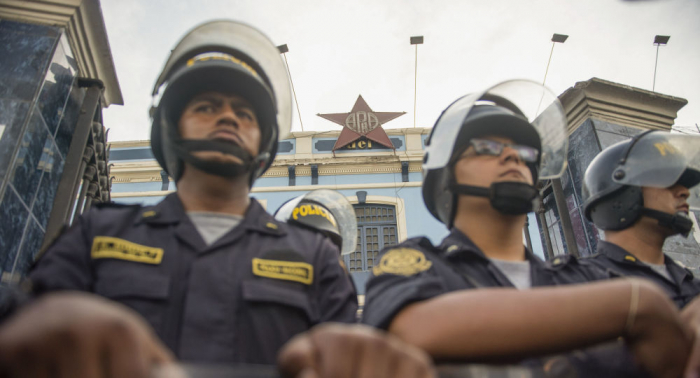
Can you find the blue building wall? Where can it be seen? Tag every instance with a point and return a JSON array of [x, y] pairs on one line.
[[39, 106], [418, 219]]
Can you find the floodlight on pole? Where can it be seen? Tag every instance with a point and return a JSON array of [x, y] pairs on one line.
[[417, 40], [284, 50], [658, 41], [556, 38]]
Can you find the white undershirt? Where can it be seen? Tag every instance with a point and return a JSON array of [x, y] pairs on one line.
[[518, 272], [662, 270], [212, 226]]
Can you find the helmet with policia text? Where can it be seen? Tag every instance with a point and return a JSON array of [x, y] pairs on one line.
[[326, 211], [231, 58], [612, 184], [521, 110]]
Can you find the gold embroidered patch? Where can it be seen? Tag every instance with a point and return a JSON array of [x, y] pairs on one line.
[[271, 226], [148, 214], [106, 247], [630, 258], [402, 261], [284, 270]]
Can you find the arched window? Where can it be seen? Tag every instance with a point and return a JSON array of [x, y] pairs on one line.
[[376, 229]]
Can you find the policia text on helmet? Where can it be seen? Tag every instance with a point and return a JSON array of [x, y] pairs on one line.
[[502, 123], [615, 180], [224, 58]]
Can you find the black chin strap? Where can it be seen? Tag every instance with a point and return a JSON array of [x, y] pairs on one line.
[[510, 198], [184, 148], [679, 223]]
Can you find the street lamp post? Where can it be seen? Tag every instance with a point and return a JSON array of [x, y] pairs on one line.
[[417, 40], [556, 38], [284, 50], [658, 41]]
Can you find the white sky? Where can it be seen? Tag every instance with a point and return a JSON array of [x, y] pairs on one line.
[[340, 49]]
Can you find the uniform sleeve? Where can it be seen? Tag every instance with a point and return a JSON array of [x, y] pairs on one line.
[[387, 293], [337, 296], [65, 265]]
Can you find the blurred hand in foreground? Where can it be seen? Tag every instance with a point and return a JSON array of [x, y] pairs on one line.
[[349, 351], [78, 335]]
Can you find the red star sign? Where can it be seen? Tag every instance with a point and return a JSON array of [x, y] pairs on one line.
[[362, 121]]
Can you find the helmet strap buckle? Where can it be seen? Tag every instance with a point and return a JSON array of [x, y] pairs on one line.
[[509, 198], [679, 223]]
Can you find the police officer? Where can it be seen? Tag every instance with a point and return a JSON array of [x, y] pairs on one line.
[[326, 211], [207, 270], [637, 192], [484, 155]]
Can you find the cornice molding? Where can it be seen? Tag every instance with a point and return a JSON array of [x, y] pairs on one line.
[[620, 104], [149, 171], [86, 32], [299, 188]]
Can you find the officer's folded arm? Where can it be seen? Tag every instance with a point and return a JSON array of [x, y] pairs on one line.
[[507, 325], [691, 316]]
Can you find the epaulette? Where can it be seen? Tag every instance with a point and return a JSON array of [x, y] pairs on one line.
[[424, 242], [275, 227], [560, 261]]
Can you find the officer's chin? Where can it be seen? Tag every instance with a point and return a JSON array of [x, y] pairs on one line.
[[513, 178], [217, 157]]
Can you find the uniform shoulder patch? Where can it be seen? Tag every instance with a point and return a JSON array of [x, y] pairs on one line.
[[107, 247], [284, 270], [630, 258], [403, 262]]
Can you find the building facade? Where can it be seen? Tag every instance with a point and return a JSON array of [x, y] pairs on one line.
[[56, 74], [384, 183]]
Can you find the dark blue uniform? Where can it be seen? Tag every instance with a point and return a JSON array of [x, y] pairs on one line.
[[682, 290], [235, 301], [415, 270]]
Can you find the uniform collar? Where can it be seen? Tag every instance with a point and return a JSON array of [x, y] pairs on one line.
[[257, 219], [171, 211], [620, 255], [457, 243]]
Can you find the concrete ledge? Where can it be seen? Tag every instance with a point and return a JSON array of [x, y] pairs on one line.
[[86, 32], [619, 104]]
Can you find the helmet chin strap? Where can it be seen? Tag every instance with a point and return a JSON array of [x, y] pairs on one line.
[[185, 147], [679, 223], [509, 198]]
